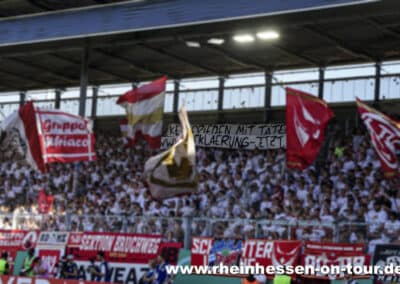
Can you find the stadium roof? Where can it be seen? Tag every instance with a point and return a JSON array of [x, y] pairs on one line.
[[313, 38]]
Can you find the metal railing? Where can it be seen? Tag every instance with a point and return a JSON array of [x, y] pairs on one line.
[[181, 229]]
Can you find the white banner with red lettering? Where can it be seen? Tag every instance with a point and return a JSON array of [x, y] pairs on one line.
[[64, 137], [319, 254]]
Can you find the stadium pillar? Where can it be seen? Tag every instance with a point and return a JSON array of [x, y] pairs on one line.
[[267, 95], [321, 80], [378, 69], [57, 101], [176, 100], [221, 88], [84, 79], [95, 91], [22, 96]]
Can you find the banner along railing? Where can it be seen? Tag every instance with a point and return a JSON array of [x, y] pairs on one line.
[[180, 229]]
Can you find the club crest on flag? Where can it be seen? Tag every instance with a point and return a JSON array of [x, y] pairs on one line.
[[173, 172], [306, 119], [385, 136]]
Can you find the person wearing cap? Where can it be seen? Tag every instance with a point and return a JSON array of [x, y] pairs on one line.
[[28, 264], [70, 268], [4, 266]]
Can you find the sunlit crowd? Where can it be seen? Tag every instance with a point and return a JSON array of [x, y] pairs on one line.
[[241, 193]]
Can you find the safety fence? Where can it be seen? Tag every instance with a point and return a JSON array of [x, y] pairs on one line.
[[181, 229]]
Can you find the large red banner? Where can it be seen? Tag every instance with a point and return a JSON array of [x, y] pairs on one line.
[[12, 241], [270, 253], [206, 251], [320, 254], [64, 137], [117, 247]]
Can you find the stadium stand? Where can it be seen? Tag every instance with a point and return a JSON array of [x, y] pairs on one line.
[[348, 201]]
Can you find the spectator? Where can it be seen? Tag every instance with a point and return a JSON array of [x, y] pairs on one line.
[[104, 273], [150, 276], [28, 264], [70, 268], [93, 270], [41, 269], [4, 266], [161, 271]]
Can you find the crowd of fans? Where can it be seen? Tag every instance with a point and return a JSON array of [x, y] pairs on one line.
[[330, 201]]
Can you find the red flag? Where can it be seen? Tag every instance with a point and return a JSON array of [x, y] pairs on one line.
[[45, 202], [306, 119], [385, 136]]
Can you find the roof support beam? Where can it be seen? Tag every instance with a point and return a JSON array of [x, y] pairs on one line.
[[296, 54], [52, 73], [357, 52], [240, 60], [381, 27], [182, 59], [21, 76], [96, 68], [134, 64], [39, 5]]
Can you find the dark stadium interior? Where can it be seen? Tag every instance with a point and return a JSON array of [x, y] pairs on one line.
[[345, 35]]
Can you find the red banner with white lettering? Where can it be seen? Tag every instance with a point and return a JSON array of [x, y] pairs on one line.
[[306, 119], [118, 247], [200, 250], [64, 137], [271, 253], [385, 136], [320, 254], [207, 251], [13, 241]]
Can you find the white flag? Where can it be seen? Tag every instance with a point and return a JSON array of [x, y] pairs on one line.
[[173, 172]]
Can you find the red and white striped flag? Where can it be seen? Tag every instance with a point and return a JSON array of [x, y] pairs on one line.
[[144, 109], [385, 136]]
